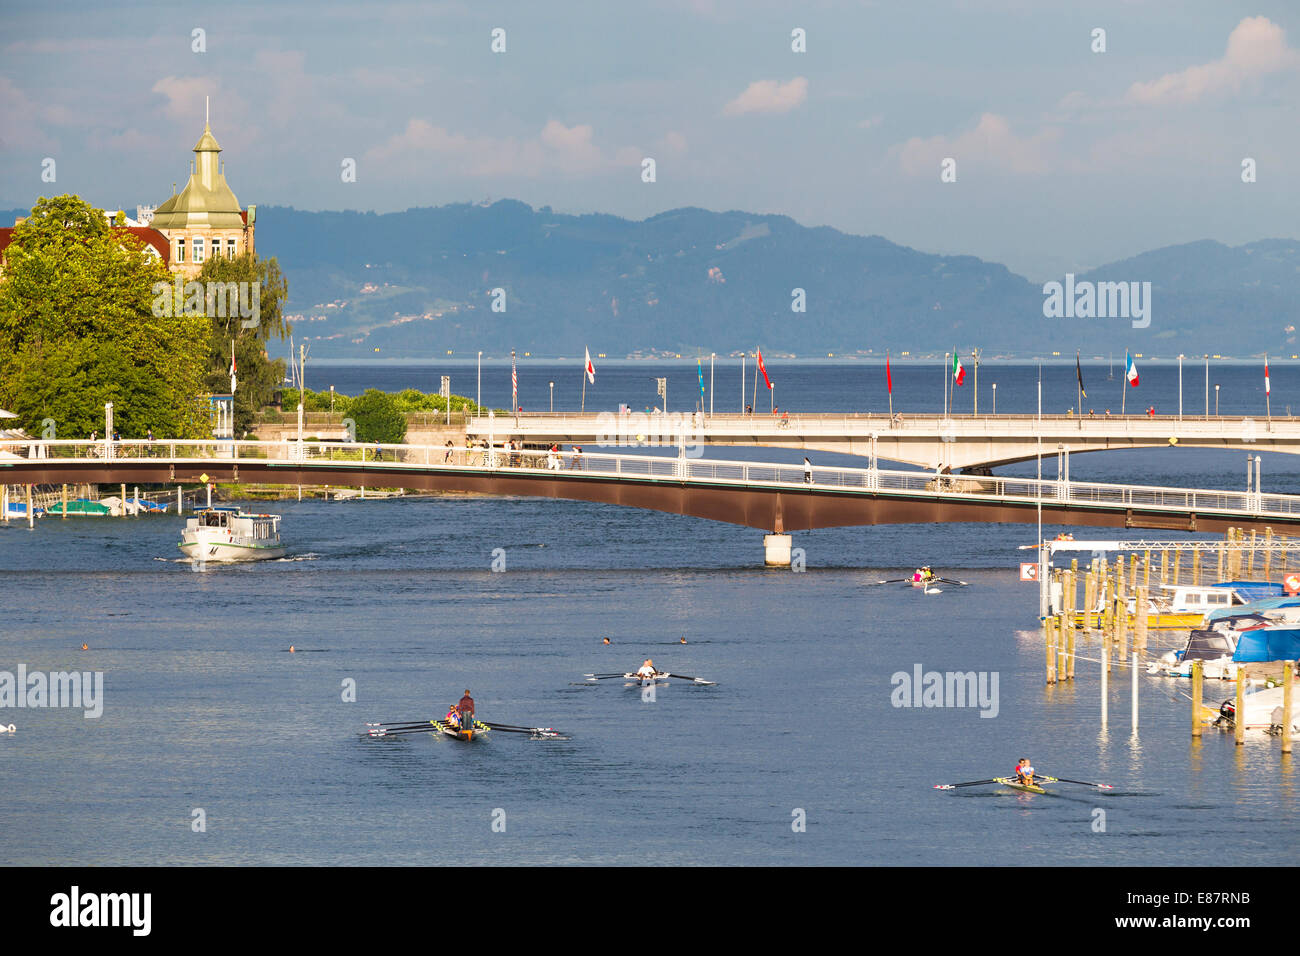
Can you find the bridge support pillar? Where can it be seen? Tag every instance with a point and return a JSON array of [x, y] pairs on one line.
[[776, 550]]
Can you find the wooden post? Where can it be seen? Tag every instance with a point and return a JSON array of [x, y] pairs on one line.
[[31, 515], [124, 499], [65, 500], [1134, 665], [1069, 656], [1288, 679], [1140, 623], [1178, 558], [1239, 715], [1105, 670], [1164, 565], [1122, 624], [1132, 571], [1089, 596], [1196, 568], [1198, 683], [1060, 648], [1067, 598], [1268, 552], [1146, 567], [1048, 638], [1221, 550]]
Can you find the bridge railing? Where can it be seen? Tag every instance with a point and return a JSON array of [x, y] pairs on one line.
[[395, 459]]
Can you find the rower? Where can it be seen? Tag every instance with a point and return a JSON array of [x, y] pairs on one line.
[[452, 718], [917, 576], [1025, 772], [466, 708], [647, 669]]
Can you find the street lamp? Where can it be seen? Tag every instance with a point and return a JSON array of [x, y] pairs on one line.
[[995, 398], [1216, 399], [331, 404], [552, 396], [478, 398]]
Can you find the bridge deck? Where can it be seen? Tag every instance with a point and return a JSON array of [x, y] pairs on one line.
[[761, 495]]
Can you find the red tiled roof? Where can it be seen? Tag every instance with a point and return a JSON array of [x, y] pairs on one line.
[[146, 233]]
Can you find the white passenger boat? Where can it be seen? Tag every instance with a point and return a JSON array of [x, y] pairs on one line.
[[228, 534]]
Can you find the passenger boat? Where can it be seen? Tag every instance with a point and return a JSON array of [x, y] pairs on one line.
[[228, 534]]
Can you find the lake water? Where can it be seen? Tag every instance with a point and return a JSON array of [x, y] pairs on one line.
[[204, 707]]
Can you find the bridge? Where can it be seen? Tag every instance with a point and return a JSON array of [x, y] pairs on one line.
[[971, 443], [774, 498]]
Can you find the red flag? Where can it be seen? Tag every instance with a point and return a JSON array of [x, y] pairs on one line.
[[889, 378], [1267, 386], [763, 368]]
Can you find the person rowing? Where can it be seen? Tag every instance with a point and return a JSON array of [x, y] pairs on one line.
[[647, 669], [1025, 772], [453, 718]]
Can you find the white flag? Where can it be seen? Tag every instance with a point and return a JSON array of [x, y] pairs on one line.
[[590, 369]]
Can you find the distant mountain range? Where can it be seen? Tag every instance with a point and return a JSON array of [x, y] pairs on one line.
[[421, 282]]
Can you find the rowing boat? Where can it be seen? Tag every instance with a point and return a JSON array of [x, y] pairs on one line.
[[475, 732], [1015, 785]]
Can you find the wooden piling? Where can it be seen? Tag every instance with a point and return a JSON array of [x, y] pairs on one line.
[[1141, 609], [1222, 548], [1146, 567], [1268, 552], [1239, 715], [1196, 568], [1178, 557], [1048, 627], [1164, 565], [1069, 656], [65, 501], [1250, 565], [1198, 683], [1061, 666], [1288, 679], [1132, 571]]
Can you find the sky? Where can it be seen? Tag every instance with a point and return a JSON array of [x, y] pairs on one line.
[[1065, 157]]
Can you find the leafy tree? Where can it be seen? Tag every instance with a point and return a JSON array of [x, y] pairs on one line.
[[77, 329], [257, 375], [377, 417]]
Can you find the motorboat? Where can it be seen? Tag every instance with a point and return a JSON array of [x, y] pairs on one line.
[[229, 534]]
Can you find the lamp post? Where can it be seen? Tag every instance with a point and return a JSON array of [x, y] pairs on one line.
[[478, 397], [712, 357], [552, 384], [995, 398], [1180, 387], [1216, 399], [331, 404]]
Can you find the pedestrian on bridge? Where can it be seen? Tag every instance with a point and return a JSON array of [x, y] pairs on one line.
[[807, 471]]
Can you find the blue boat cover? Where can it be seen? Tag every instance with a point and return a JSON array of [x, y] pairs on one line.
[[1251, 590], [1268, 644], [1250, 607]]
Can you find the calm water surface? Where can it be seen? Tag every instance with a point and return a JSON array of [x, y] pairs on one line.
[[205, 707]]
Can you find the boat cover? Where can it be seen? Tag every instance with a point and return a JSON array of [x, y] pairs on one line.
[[1268, 644]]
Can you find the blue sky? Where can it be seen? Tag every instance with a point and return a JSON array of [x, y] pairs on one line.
[[1065, 158]]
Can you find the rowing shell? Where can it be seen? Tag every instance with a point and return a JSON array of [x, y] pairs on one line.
[[460, 733], [1027, 788]]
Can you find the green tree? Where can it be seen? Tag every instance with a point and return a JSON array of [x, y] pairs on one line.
[[257, 375], [377, 417], [78, 329]]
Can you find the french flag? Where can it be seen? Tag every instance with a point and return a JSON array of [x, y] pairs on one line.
[[1130, 371]]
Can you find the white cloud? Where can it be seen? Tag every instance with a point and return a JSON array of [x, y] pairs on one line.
[[1256, 47], [556, 149], [769, 96], [991, 143]]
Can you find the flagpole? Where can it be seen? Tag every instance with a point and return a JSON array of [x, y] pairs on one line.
[[754, 401], [583, 409], [945, 384], [514, 387], [1124, 394], [1268, 387], [743, 356], [889, 380], [712, 357]]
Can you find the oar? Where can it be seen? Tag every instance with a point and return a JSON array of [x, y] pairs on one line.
[[399, 723], [961, 584], [606, 676], [698, 680], [893, 580], [533, 731], [1082, 783], [968, 783]]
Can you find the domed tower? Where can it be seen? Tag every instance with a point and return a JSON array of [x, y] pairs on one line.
[[204, 219]]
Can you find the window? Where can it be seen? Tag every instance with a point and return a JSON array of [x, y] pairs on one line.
[[180, 250], [230, 248], [198, 249]]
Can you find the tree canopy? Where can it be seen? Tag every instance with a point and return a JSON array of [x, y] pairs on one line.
[[377, 417], [78, 329]]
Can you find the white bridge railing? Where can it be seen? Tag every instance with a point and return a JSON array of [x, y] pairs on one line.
[[390, 461]]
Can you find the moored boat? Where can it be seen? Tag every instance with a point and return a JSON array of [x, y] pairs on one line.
[[81, 508], [229, 534]]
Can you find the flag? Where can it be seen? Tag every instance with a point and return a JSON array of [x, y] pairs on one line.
[[958, 373], [889, 378], [232, 368], [1078, 371], [591, 369], [1267, 385], [514, 381], [763, 368], [1130, 370], [699, 368]]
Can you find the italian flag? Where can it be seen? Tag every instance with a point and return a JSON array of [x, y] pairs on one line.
[[958, 373]]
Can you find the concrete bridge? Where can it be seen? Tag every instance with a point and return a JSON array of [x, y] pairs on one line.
[[973, 444], [774, 498]]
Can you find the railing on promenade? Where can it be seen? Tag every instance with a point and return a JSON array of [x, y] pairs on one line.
[[395, 459]]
